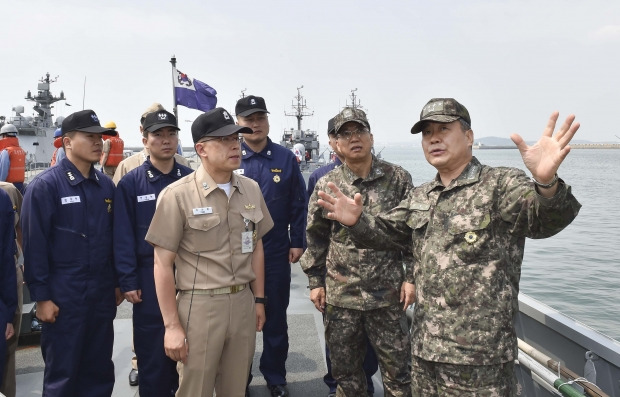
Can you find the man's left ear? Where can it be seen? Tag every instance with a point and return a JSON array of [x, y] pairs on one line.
[[470, 137]]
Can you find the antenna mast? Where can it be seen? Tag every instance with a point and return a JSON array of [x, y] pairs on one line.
[[299, 109], [355, 103]]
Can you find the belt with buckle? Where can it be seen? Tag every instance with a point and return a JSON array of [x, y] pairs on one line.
[[216, 291]]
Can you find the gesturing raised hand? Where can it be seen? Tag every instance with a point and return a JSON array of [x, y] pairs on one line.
[[544, 157]]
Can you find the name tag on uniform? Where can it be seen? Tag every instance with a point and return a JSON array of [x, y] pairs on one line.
[[146, 197], [246, 242], [239, 171], [203, 210], [70, 200]]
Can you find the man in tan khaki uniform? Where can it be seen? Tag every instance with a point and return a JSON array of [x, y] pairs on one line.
[[208, 228]]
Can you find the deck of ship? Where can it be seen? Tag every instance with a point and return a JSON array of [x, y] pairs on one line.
[[305, 365]]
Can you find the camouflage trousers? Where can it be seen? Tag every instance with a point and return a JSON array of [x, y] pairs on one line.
[[387, 330], [433, 379]]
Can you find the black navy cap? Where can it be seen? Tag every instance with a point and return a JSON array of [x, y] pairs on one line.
[[159, 119], [216, 122], [331, 126], [250, 104], [85, 121]]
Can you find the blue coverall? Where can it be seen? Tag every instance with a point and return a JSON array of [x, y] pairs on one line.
[[134, 206], [8, 278], [276, 171], [67, 233]]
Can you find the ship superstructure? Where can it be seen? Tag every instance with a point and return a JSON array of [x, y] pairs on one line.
[[36, 133]]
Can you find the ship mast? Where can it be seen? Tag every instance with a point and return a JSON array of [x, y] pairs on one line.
[[355, 103], [299, 109], [43, 102]]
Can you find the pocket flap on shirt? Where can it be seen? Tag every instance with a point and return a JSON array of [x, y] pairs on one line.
[[477, 220], [255, 215], [203, 222]]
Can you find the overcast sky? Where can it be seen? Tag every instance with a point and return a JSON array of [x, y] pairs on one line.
[[511, 63]]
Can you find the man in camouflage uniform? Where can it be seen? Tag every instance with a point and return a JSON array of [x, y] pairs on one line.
[[467, 228], [364, 287]]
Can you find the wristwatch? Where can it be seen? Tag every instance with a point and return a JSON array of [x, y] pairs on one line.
[[260, 300]]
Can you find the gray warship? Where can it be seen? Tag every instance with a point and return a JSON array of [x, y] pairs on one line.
[[36, 134], [304, 143]]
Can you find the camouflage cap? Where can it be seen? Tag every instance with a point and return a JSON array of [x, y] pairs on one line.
[[441, 110], [350, 114]]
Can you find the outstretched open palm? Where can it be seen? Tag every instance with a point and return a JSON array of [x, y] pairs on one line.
[[544, 157], [341, 208]]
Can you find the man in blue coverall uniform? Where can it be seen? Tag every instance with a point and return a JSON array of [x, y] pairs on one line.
[[371, 365], [67, 234], [276, 171], [8, 277], [134, 206]]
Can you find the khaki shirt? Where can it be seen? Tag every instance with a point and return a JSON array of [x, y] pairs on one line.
[[136, 160], [16, 198], [195, 219]]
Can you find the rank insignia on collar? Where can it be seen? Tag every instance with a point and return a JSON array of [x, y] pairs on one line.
[[250, 206], [276, 178], [150, 174], [268, 152], [471, 237], [70, 175], [205, 185], [243, 152], [178, 172]]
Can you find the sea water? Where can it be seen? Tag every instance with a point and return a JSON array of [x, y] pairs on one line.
[[577, 272]]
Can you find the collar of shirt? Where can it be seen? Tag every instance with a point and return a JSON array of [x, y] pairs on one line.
[[376, 172], [153, 174], [206, 184], [267, 152], [471, 174], [74, 176]]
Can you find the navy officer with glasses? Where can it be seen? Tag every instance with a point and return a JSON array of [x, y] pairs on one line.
[[277, 172], [207, 231]]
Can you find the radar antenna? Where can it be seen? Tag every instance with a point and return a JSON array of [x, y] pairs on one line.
[[355, 102], [300, 109]]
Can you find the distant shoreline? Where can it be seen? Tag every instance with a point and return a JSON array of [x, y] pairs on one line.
[[573, 146]]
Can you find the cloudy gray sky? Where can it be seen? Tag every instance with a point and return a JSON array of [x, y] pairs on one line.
[[511, 63]]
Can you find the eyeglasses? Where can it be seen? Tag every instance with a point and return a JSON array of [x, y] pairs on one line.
[[346, 135], [227, 140]]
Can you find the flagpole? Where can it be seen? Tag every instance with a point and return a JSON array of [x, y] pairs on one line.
[[173, 61]]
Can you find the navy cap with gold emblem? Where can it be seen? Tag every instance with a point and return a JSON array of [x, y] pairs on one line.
[[216, 122]]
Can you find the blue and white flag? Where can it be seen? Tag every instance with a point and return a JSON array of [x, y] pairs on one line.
[[193, 93]]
